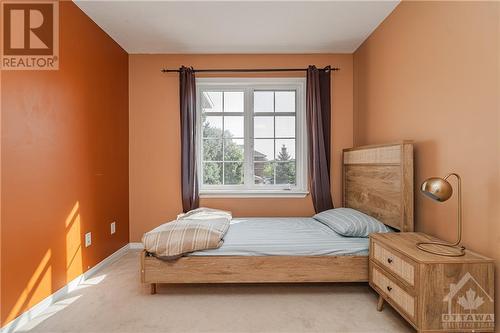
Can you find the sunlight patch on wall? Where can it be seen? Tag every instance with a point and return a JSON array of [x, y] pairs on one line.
[[38, 287], [73, 244]]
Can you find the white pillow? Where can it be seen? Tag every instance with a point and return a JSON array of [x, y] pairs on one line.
[[350, 222]]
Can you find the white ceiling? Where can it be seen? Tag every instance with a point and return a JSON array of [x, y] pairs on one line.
[[238, 26]]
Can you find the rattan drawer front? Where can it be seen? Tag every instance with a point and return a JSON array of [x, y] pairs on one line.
[[394, 263], [391, 290]]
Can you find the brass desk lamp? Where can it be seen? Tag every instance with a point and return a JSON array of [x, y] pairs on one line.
[[439, 189]]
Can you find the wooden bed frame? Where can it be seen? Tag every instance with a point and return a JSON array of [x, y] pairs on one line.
[[377, 180]]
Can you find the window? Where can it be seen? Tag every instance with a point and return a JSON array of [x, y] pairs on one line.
[[251, 136]]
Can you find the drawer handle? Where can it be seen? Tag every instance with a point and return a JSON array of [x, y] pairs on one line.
[[389, 288], [389, 260]]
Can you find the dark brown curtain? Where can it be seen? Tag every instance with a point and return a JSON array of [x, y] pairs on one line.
[[318, 130], [189, 175]]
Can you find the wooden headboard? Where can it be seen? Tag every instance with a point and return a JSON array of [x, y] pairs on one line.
[[378, 180]]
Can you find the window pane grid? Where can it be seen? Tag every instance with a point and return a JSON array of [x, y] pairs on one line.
[[235, 142], [272, 170], [222, 144]]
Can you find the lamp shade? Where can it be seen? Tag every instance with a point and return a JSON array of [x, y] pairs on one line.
[[437, 189]]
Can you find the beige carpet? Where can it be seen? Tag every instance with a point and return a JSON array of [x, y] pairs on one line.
[[115, 301]]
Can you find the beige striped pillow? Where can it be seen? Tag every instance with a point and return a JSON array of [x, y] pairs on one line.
[[172, 240]]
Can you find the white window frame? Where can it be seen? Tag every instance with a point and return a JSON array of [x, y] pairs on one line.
[[248, 86]]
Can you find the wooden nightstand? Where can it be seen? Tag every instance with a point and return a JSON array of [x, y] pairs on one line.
[[433, 293]]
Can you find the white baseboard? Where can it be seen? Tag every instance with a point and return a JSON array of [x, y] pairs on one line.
[[136, 246], [58, 295]]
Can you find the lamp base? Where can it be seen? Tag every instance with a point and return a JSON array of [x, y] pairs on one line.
[[442, 249]]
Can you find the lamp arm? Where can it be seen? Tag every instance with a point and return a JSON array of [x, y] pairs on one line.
[[459, 210]]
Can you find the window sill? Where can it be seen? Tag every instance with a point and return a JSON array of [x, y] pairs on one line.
[[253, 194]]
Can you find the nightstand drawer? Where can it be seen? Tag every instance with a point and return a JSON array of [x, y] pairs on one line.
[[395, 263], [393, 292]]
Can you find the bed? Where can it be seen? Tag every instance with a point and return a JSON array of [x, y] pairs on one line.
[[377, 180]]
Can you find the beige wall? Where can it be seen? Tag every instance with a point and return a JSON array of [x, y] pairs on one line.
[[430, 73], [155, 135]]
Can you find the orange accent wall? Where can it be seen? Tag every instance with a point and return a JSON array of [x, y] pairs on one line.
[[155, 135], [64, 164], [430, 72]]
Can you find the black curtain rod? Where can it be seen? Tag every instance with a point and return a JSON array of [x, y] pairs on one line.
[[254, 70]]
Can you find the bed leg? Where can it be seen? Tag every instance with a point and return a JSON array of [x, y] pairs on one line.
[[380, 303], [153, 288]]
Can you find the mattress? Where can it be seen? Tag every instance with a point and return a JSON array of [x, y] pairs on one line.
[[285, 236]]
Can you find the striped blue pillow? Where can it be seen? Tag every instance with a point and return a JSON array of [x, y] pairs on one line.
[[350, 222]]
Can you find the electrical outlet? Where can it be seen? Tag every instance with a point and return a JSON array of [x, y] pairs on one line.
[[88, 239], [113, 227]]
